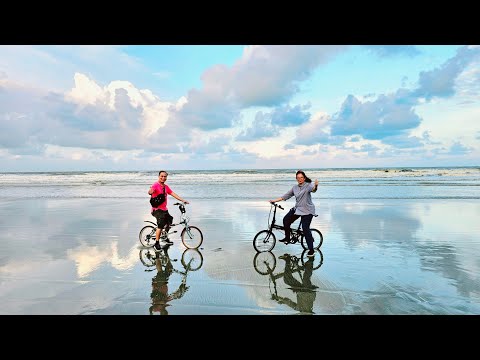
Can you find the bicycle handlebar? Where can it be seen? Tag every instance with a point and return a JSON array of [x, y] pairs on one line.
[[178, 204], [280, 206]]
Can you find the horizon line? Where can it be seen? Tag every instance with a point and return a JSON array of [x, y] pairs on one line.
[[250, 169]]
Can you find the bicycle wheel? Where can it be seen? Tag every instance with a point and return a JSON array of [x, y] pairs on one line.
[[317, 239], [264, 262], [192, 237], [317, 259], [264, 241], [147, 236], [192, 257], [147, 257]]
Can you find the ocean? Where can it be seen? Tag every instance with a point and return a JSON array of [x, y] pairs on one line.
[[375, 183], [396, 241]]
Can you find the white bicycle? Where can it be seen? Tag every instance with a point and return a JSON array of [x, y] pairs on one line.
[[191, 236]]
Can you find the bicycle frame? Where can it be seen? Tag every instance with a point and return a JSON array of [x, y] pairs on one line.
[[295, 233], [184, 219]]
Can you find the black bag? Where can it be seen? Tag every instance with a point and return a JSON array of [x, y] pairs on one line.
[[159, 199]]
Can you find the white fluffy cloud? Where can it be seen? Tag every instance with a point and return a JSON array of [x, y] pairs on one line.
[[264, 76]]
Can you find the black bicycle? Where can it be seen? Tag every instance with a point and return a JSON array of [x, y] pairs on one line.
[[297, 277], [265, 240], [191, 236], [266, 262]]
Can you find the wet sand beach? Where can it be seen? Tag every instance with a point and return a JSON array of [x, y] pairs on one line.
[[383, 256]]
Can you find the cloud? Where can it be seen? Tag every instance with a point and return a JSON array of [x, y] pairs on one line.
[[370, 149], [468, 83], [270, 124], [427, 140], [53, 65], [310, 152], [202, 144], [260, 128], [387, 116], [393, 50], [287, 116], [403, 141], [116, 117], [390, 116], [314, 131], [459, 149], [263, 76], [440, 82]]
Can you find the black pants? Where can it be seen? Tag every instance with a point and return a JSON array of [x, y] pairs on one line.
[[306, 221], [163, 218]]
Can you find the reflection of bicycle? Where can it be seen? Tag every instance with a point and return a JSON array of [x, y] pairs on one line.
[[191, 236], [191, 258], [265, 240], [297, 277], [265, 262]]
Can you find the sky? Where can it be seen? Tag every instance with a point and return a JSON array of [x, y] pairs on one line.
[[194, 107]]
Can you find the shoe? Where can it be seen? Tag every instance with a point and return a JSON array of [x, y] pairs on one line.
[[157, 246], [285, 241], [168, 241], [311, 253]]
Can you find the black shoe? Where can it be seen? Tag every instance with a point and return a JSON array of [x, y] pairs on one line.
[[157, 246], [285, 241], [168, 241], [311, 253]]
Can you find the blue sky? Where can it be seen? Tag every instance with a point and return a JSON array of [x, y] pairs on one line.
[[227, 107]]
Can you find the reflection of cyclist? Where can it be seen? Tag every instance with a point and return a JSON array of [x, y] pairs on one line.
[[304, 208], [304, 290], [160, 296], [161, 213]]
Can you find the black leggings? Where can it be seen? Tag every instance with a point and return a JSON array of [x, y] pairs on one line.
[[306, 221]]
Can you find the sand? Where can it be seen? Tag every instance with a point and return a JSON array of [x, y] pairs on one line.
[[82, 256]]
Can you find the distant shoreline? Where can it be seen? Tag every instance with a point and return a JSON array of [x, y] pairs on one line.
[[246, 169]]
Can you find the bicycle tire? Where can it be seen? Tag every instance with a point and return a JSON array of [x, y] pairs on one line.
[[261, 260], [193, 239], [147, 257], [317, 260], [147, 236], [317, 239], [265, 240], [196, 257]]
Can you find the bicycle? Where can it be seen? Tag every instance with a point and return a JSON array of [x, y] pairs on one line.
[[265, 262], [265, 240], [192, 259], [191, 236], [161, 262], [305, 291]]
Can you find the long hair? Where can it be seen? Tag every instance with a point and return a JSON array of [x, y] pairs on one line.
[[307, 179]]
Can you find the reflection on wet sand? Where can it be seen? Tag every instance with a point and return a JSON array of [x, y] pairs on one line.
[[297, 276], [192, 260], [380, 257]]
